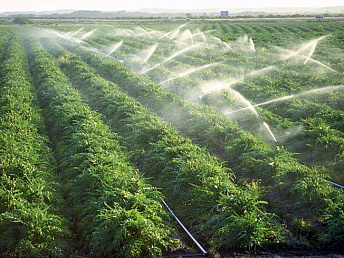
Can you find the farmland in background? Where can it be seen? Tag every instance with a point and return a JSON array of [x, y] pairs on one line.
[[239, 126]]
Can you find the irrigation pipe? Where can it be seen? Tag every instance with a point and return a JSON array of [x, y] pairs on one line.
[[337, 185], [185, 229]]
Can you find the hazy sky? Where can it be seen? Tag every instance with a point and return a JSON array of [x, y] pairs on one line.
[[115, 5]]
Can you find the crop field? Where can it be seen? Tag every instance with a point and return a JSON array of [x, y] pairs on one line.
[[237, 126]]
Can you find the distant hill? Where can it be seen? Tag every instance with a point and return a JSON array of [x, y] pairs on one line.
[[272, 10], [180, 12], [64, 11]]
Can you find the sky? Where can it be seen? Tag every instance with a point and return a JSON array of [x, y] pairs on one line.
[[130, 5]]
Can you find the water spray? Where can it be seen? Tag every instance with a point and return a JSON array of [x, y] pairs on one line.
[[247, 103], [305, 47], [85, 44], [239, 96], [87, 34], [190, 71], [150, 51], [173, 32], [327, 88], [307, 58], [270, 132], [221, 42], [221, 86], [115, 47], [251, 44], [215, 87], [145, 32], [73, 33], [171, 57]]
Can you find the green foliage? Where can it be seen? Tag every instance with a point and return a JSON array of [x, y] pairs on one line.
[[334, 219], [309, 125], [115, 211], [246, 154], [194, 182], [30, 224]]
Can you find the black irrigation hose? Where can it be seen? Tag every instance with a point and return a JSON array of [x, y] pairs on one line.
[[185, 229]]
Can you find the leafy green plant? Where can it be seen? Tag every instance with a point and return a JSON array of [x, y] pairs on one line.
[[115, 211], [31, 223]]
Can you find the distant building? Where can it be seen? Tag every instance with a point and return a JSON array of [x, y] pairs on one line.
[[224, 13]]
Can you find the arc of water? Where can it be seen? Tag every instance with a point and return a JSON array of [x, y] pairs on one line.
[[192, 39], [151, 50], [217, 39], [261, 104], [204, 39], [241, 79], [308, 58], [130, 32], [260, 71], [145, 32], [87, 34], [125, 32], [222, 42], [215, 87], [327, 88], [311, 52], [270, 132], [76, 32], [174, 34], [173, 31], [254, 111], [115, 47], [304, 47], [85, 44], [251, 43], [76, 40], [321, 64], [155, 32], [227, 46], [190, 71], [171, 57], [187, 34], [239, 96]]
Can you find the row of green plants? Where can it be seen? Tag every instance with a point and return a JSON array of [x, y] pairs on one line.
[[276, 33], [114, 211], [31, 220], [247, 155], [198, 187]]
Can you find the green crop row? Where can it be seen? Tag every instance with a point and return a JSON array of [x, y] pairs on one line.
[[115, 212], [244, 153], [30, 220], [197, 186]]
